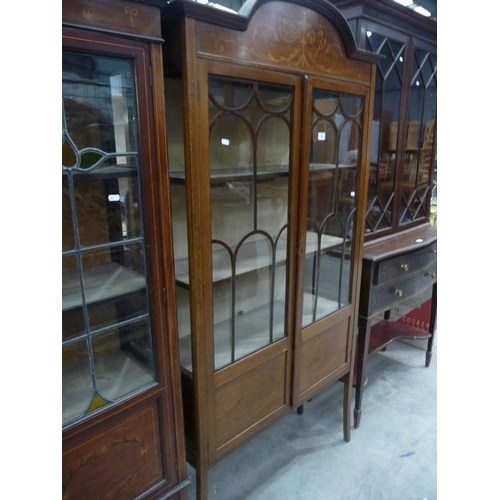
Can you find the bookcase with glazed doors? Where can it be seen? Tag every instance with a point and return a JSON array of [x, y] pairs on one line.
[[122, 431], [400, 252], [268, 116]]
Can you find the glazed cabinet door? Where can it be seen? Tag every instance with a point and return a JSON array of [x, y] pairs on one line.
[[119, 407], [420, 153], [329, 248], [248, 157]]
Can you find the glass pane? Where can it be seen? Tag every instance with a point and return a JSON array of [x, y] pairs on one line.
[[273, 146], [331, 210], [107, 206], [104, 281], [77, 387], [122, 360], [421, 144], [231, 147], [174, 100], [249, 165], [324, 143], [68, 235], [253, 300], [72, 313], [385, 129], [114, 284], [223, 303], [274, 97], [99, 102], [230, 94]]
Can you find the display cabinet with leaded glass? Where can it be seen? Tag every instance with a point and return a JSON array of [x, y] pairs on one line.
[[400, 251], [268, 115], [403, 152], [120, 385]]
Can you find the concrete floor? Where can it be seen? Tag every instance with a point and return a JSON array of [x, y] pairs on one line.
[[392, 456]]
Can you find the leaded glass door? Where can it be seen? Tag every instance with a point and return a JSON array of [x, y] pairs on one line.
[[380, 212], [420, 155], [330, 235], [250, 134], [253, 120], [106, 311]]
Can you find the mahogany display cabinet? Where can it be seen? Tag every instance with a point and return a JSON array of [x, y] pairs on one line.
[[269, 118], [400, 252], [122, 433]]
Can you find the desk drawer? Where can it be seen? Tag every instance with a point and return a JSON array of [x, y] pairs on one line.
[[405, 265], [384, 297]]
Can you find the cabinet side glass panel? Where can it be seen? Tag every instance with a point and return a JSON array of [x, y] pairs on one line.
[[421, 146], [385, 126], [250, 133], [333, 178], [106, 326], [176, 161]]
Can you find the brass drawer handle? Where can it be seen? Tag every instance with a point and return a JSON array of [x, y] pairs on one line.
[[399, 292], [435, 251], [405, 267], [432, 274]]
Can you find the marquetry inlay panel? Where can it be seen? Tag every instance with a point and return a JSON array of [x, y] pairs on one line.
[[294, 38]]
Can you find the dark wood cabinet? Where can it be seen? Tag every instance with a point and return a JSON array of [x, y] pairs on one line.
[[269, 115], [403, 151], [403, 170], [122, 432], [395, 269]]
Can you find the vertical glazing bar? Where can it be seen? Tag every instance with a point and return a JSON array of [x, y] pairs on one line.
[[86, 320], [233, 306], [273, 280]]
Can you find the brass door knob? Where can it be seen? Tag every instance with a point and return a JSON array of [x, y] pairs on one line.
[[399, 292]]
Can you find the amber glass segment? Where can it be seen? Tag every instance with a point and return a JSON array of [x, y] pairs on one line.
[[250, 135], [385, 127], [333, 178], [77, 386]]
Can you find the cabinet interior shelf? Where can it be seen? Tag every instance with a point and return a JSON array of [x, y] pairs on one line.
[[109, 172], [221, 270], [222, 175], [103, 282], [386, 331]]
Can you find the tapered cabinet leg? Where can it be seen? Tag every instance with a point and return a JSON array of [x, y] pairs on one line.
[[363, 341], [432, 326]]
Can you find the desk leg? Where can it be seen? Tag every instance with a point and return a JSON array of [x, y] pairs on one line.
[[432, 326], [363, 341]]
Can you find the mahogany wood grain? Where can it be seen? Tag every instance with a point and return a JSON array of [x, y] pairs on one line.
[[115, 16]]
